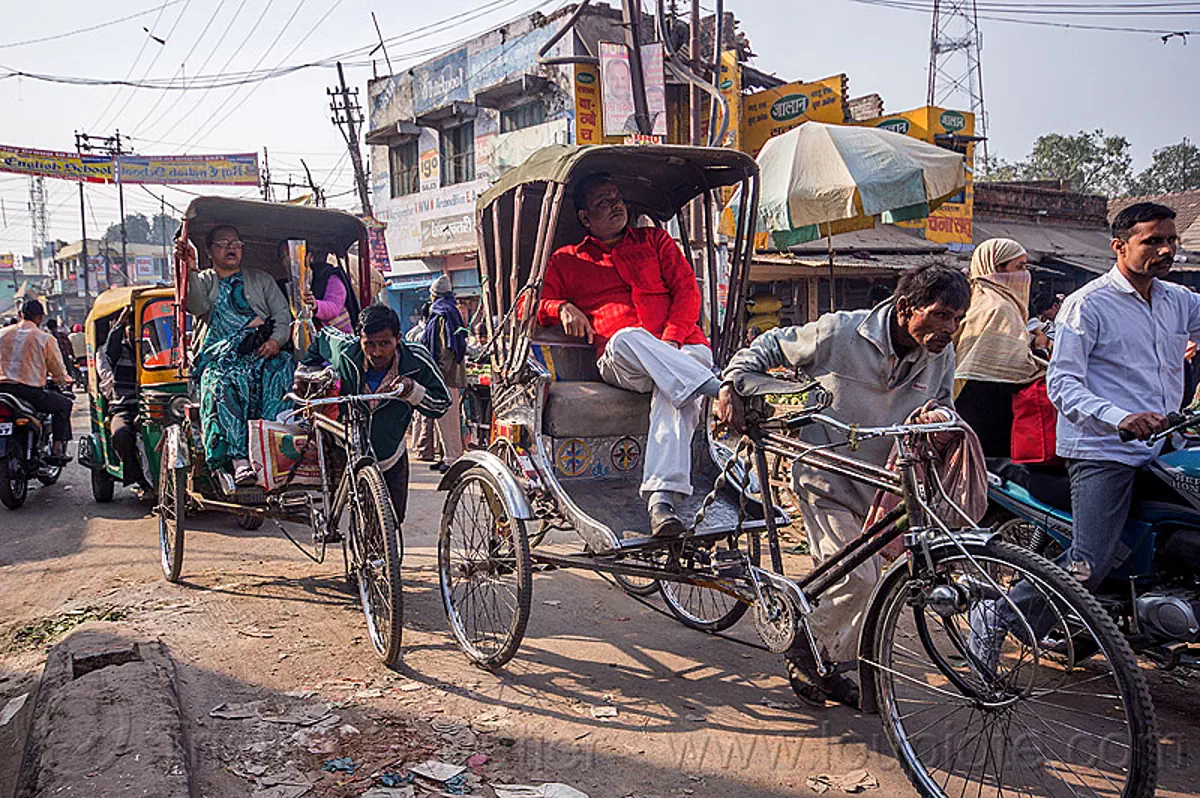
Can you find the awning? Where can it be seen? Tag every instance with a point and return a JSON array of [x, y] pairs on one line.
[[404, 267], [784, 267], [448, 115], [395, 133], [884, 238], [504, 93]]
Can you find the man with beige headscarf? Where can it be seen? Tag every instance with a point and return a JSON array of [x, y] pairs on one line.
[[992, 354]]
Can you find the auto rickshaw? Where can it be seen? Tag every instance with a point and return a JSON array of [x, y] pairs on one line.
[[162, 384]]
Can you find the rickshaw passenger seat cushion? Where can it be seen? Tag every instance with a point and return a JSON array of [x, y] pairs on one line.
[[594, 410]]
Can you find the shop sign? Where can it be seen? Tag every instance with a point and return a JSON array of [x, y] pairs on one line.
[[770, 113], [787, 108], [900, 126], [953, 121]]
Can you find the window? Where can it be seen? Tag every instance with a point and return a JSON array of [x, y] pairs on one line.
[[458, 154], [160, 349], [403, 162], [522, 116]]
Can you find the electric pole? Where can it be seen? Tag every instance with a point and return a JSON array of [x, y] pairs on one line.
[[955, 72], [87, 282], [266, 177], [110, 146], [347, 115]]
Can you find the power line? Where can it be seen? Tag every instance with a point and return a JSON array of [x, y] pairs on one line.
[[257, 63], [89, 28], [925, 9], [236, 52]]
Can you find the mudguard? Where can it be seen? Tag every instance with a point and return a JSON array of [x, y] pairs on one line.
[[897, 572], [514, 499], [174, 448]]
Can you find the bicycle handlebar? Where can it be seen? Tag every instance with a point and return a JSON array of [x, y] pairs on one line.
[[1175, 422], [862, 433], [338, 400]]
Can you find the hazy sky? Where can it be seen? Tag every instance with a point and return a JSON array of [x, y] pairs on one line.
[[1036, 79]]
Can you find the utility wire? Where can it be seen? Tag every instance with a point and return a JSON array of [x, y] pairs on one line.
[[199, 103], [257, 63], [1040, 23], [90, 28]]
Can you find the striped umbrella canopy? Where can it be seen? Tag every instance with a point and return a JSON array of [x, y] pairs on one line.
[[820, 180]]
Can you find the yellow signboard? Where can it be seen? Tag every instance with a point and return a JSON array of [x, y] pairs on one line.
[[951, 223], [6, 262], [730, 86], [63, 165], [589, 108], [769, 113]]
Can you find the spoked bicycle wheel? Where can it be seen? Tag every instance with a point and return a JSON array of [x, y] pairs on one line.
[[484, 570], [375, 542], [172, 510], [637, 585], [704, 608], [971, 705]]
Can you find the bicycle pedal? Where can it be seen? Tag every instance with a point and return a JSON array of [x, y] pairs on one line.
[[729, 564]]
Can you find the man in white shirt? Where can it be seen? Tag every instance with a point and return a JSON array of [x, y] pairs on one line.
[[1118, 366]]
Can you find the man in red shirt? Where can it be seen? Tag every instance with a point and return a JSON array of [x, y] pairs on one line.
[[631, 293]]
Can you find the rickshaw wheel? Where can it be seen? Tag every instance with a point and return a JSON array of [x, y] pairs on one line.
[[637, 585], [706, 609], [102, 486], [484, 570], [172, 509], [250, 521], [375, 540]]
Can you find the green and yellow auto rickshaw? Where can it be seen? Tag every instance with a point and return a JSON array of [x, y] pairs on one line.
[[161, 382]]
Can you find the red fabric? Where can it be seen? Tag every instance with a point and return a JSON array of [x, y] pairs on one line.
[[642, 281], [1033, 433]]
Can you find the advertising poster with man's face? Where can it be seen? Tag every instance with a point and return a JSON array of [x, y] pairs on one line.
[[617, 88]]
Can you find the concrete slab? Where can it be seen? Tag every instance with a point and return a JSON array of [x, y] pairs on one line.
[[106, 720]]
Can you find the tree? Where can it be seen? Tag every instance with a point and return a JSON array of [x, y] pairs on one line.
[[162, 225], [137, 230], [1092, 163], [1173, 168]]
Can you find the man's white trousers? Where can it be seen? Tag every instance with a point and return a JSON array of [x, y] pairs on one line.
[[637, 361]]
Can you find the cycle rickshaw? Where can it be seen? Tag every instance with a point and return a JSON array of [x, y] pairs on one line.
[[1062, 710], [336, 428]]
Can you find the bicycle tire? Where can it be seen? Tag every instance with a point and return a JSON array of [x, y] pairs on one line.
[[172, 510], [640, 586], [899, 595], [703, 608], [378, 558], [499, 549]]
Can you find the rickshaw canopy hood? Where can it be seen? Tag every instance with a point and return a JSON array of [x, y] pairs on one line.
[[333, 229], [657, 179]]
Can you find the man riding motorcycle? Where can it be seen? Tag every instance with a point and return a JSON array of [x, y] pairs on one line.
[[28, 356]]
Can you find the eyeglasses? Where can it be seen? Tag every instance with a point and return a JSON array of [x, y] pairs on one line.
[[228, 243]]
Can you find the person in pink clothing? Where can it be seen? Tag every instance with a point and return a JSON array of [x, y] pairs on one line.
[[331, 296]]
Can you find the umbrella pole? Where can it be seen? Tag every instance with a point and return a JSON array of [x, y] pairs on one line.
[[832, 296]]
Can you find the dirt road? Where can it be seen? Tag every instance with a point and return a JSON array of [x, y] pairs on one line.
[[254, 621]]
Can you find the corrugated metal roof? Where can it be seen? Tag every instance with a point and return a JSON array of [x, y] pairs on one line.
[[1049, 240], [1185, 203], [878, 239]]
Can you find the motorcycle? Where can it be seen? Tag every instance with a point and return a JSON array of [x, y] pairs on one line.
[[25, 447], [1154, 591]]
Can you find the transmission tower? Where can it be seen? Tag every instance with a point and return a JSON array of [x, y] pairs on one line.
[[955, 75], [37, 214]]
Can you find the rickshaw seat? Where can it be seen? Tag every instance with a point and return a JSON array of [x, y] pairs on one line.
[[594, 410]]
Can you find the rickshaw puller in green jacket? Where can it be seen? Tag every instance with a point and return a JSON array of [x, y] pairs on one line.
[[379, 361]]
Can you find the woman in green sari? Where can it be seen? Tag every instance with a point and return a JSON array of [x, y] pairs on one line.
[[240, 378]]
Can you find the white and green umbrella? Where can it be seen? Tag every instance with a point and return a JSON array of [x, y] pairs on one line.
[[819, 180]]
